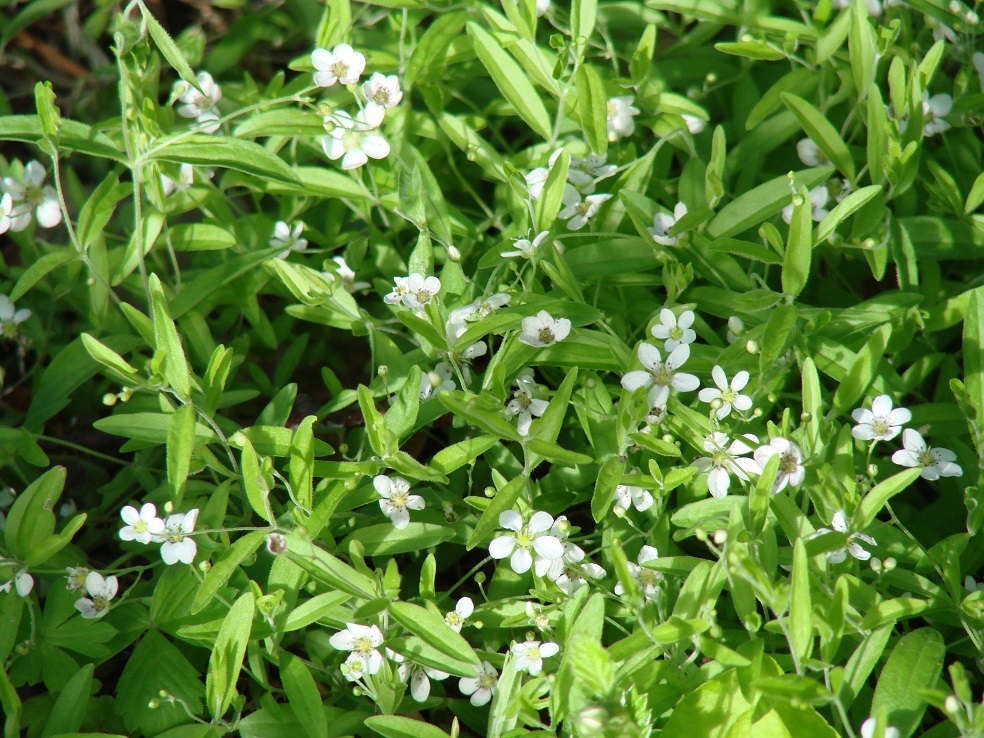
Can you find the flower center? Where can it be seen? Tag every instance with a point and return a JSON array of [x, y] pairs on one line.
[[525, 538], [648, 578], [546, 335], [788, 463], [339, 69], [486, 681], [100, 603], [661, 375], [398, 500], [532, 652], [423, 296], [676, 332], [880, 425], [928, 458], [363, 646]]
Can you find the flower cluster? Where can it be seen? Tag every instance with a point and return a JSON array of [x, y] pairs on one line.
[[143, 526], [579, 201]]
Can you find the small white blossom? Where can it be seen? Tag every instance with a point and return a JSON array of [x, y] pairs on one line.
[[659, 375], [935, 462], [363, 641], [839, 523], [400, 288], [621, 112], [33, 195], [421, 291], [934, 108], [22, 582], [529, 655], [868, 730], [141, 525], [694, 124], [809, 153], [576, 575], [543, 329], [626, 495], [791, 471], [383, 90], [418, 677], [517, 544], [874, 10], [482, 687], [10, 317], [460, 614], [441, 378], [585, 172], [578, 212], [736, 329], [647, 580], [818, 199], [342, 64], [396, 500], [101, 592], [198, 106], [725, 459], [674, 331], [76, 577], [881, 422], [354, 667], [6, 208], [542, 6], [287, 238], [663, 223], [355, 140], [524, 406], [178, 544], [729, 395], [526, 248], [348, 275]]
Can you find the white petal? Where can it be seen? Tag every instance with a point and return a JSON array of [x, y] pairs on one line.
[[521, 561], [549, 547], [511, 520], [502, 547], [541, 522]]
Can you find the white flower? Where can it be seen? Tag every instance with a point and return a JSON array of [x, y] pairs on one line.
[[355, 141], [438, 380], [727, 394], [23, 583], [186, 177], [625, 495], [287, 238], [482, 687], [458, 323], [341, 64], [33, 195], [400, 288], [6, 208], [791, 471], [101, 591], [674, 331], [420, 291], [178, 545], [661, 376], [524, 406], [809, 153], [354, 667], [10, 317], [517, 544], [196, 105], [383, 90], [363, 641], [818, 199], [935, 462], [76, 577], [576, 575], [529, 655], [542, 6], [543, 330], [941, 31], [934, 108], [419, 678], [621, 112], [141, 526], [694, 124], [578, 212], [461, 612], [881, 422], [839, 523], [725, 459], [662, 223], [647, 580], [526, 248], [396, 502], [348, 276], [537, 617], [868, 730], [585, 173]]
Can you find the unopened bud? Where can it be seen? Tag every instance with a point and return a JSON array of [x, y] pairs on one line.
[[480, 578], [383, 370], [490, 491], [109, 399], [453, 254], [736, 325], [619, 511], [720, 537], [205, 566], [276, 543], [872, 470], [890, 563], [875, 564], [752, 347], [952, 705], [154, 704], [701, 535], [972, 18]]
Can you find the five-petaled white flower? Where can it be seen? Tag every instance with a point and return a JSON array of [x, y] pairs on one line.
[[809, 153], [663, 223], [525, 247], [342, 64], [578, 212], [355, 140], [22, 582], [818, 200], [348, 275], [725, 459], [621, 112], [418, 677], [382, 90], [287, 238], [659, 375], [674, 331], [626, 495], [482, 687], [363, 641], [524, 406], [421, 291], [354, 667], [76, 577], [935, 462], [400, 285], [585, 173], [529, 655], [101, 591], [196, 105], [460, 614], [141, 525], [10, 317], [881, 423], [31, 195], [646, 579], [534, 535], [396, 500], [868, 730], [178, 544], [441, 378], [791, 471], [728, 395], [543, 329], [839, 523]]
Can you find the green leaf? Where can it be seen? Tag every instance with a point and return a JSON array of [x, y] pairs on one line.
[[170, 51], [385, 540], [799, 246], [863, 48], [312, 610], [504, 500], [915, 665], [583, 15], [973, 353], [381, 439], [457, 455], [863, 661], [821, 132], [72, 136], [167, 340], [117, 366], [863, 369], [69, 709], [301, 465], [31, 519], [226, 660], [510, 79], [150, 427], [880, 494], [39, 269], [474, 410], [845, 209], [800, 607], [609, 477], [302, 693], [433, 630], [402, 414], [758, 50], [198, 237], [224, 151], [98, 209], [396, 726], [592, 106], [328, 569], [224, 567], [431, 46], [551, 197], [180, 444]]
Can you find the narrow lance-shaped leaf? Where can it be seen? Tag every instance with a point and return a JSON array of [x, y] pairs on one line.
[[165, 44], [167, 340], [592, 106], [226, 660], [880, 494], [180, 444], [799, 247], [821, 132], [800, 607]]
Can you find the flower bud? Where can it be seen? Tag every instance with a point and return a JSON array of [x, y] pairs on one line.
[[276, 543], [154, 703], [109, 399], [453, 254], [720, 536], [480, 578], [890, 563], [875, 564], [752, 347], [952, 705]]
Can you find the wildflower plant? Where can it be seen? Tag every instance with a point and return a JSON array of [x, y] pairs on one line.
[[422, 369]]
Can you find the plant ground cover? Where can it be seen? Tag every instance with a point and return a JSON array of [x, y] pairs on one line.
[[420, 369]]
